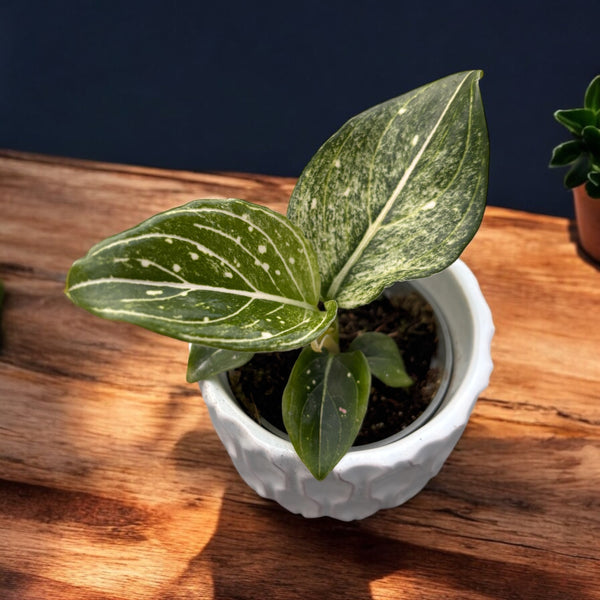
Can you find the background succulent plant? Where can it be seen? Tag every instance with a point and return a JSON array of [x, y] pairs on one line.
[[582, 153]]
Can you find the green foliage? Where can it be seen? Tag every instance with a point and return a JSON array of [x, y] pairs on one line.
[[417, 168], [222, 273], [582, 153], [324, 404], [383, 357], [397, 193], [205, 362]]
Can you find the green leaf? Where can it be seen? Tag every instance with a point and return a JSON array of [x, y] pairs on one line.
[[324, 404], [592, 190], [591, 137], [575, 119], [578, 173], [398, 191], [205, 362], [592, 95], [592, 186], [384, 358], [594, 177], [221, 273], [565, 154]]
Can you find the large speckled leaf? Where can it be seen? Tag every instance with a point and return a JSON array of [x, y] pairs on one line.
[[398, 191], [223, 273]]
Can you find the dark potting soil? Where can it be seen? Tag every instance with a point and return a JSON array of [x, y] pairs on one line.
[[408, 320]]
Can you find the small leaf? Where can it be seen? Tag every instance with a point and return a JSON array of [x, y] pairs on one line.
[[221, 273], [575, 119], [578, 173], [592, 95], [324, 404], [565, 154], [591, 137], [384, 358], [594, 177], [398, 191], [205, 362], [592, 186]]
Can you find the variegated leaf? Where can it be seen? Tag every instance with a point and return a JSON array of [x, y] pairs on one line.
[[222, 273], [397, 192], [205, 362]]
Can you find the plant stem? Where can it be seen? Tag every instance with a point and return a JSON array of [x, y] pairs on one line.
[[329, 340]]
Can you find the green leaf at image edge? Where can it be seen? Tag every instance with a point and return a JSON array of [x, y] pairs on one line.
[[592, 95], [594, 177], [592, 186], [324, 404], [220, 273], [591, 137]]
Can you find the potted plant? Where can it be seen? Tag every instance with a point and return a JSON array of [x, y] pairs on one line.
[[582, 155], [395, 195]]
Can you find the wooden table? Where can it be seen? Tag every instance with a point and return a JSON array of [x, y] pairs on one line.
[[115, 486]]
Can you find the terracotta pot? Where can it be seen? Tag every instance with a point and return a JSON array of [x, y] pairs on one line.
[[382, 475], [587, 214]]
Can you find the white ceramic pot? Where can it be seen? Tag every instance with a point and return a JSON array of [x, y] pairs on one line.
[[378, 476]]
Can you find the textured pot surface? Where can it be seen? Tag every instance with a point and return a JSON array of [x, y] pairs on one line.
[[366, 480], [587, 213]]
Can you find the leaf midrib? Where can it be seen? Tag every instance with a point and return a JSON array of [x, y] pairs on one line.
[[372, 230], [193, 287]]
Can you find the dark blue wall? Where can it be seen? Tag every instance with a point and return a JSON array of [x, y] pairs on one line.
[[258, 86]]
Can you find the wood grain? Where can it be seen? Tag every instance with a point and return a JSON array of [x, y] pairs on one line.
[[115, 485]]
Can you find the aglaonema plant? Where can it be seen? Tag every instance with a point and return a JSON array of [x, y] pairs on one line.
[[582, 152], [397, 193]]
